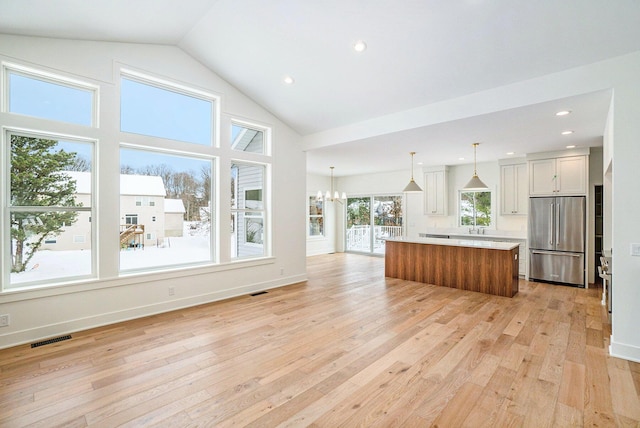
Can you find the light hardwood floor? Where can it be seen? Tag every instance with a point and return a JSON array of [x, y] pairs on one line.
[[347, 348]]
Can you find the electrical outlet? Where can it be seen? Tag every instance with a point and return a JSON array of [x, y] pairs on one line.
[[172, 291], [635, 249], [281, 271], [4, 320]]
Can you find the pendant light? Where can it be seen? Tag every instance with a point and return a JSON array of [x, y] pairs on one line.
[[475, 183], [412, 187], [331, 195]]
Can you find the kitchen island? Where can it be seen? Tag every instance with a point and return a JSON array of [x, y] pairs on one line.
[[484, 266]]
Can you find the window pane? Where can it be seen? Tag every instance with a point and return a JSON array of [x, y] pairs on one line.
[[316, 226], [247, 205], [249, 235], [475, 208], [247, 139], [165, 210], [316, 218], [155, 111], [466, 209], [49, 245], [359, 224], [483, 208], [247, 184], [55, 101], [315, 206], [47, 242], [47, 172]]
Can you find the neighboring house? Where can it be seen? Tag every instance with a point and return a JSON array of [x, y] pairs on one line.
[[142, 203], [173, 217], [248, 227], [76, 236]]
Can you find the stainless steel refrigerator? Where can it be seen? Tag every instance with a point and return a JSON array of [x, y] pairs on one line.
[[557, 239]]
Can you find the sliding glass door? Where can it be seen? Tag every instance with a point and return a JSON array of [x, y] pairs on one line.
[[359, 224], [371, 220]]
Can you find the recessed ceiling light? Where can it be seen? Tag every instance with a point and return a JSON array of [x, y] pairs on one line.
[[360, 46], [288, 80], [511, 153], [460, 158], [567, 132], [563, 112], [420, 163], [571, 146]]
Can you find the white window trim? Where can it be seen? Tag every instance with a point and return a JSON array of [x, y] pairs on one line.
[[57, 79]]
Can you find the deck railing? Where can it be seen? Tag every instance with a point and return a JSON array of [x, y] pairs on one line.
[[359, 237]]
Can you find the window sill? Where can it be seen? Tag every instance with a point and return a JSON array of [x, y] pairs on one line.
[[125, 279]]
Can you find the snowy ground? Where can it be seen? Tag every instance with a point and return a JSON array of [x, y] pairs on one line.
[[193, 247]]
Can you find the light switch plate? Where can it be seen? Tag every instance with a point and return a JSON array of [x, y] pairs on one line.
[[635, 249]]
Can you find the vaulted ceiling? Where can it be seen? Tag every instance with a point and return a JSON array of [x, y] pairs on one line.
[[419, 52]]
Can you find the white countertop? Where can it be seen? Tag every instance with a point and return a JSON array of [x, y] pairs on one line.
[[482, 236], [473, 243]]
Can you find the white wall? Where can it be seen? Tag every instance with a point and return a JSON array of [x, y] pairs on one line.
[[623, 147], [46, 312]]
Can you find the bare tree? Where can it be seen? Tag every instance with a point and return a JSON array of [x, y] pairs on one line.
[[81, 164]]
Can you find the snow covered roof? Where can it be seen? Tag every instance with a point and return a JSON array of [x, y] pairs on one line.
[[173, 206], [83, 180], [139, 185], [147, 185]]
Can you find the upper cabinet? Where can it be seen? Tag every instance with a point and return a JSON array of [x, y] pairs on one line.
[[435, 191], [558, 176], [514, 190]]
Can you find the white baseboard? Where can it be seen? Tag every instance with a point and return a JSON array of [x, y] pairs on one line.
[[71, 326], [624, 351]]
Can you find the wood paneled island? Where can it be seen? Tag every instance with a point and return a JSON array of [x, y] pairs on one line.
[[483, 266]]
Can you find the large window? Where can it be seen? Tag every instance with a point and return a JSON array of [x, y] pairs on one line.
[[50, 209], [162, 214], [165, 209], [316, 216], [247, 210], [48, 199], [475, 208], [166, 182], [165, 112]]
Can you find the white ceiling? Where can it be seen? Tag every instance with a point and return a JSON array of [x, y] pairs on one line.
[[419, 52]]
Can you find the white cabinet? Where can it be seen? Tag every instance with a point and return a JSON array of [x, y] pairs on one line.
[[514, 191], [558, 176], [435, 192]]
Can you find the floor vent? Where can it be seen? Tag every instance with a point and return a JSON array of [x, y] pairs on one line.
[[50, 341], [258, 293]]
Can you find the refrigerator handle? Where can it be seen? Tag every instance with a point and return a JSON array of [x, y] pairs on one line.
[[553, 223], [558, 225], [556, 253]]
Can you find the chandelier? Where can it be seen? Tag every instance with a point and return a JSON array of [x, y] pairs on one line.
[[332, 194]]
